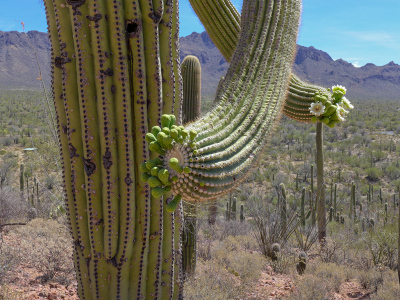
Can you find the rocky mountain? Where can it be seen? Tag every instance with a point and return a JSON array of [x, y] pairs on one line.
[[19, 68], [19, 57]]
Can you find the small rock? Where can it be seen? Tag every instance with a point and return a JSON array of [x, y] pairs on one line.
[[273, 293]]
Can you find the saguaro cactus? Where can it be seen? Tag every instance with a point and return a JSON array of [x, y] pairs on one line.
[[115, 73], [191, 108], [21, 178], [191, 75]]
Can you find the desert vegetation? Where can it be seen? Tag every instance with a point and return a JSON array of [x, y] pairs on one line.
[[233, 260]]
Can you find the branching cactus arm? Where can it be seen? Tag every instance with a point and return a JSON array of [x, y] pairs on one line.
[[222, 21], [212, 155]]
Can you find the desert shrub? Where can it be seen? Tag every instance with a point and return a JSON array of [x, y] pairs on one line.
[[370, 279], [374, 173], [7, 260], [382, 246], [214, 281], [12, 207], [46, 246], [389, 289], [311, 287]]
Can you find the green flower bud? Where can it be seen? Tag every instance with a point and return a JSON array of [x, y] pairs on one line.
[[157, 192], [163, 175], [166, 120], [154, 182], [325, 120], [150, 164], [173, 120], [143, 168], [314, 119], [174, 134], [171, 207], [187, 170], [192, 134], [154, 171], [150, 137], [168, 142], [174, 164], [184, 133], [156, 147], [160, 138], [155, 130], [158, 161], [145, 177], [165, 130]]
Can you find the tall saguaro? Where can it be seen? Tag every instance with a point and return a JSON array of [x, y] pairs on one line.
[[116, 76]]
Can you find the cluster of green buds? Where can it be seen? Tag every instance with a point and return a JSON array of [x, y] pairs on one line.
[[174, 144], [330, 109]]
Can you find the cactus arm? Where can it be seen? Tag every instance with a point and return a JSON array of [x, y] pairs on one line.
[[229, 142], [300, 94], [191, 71]]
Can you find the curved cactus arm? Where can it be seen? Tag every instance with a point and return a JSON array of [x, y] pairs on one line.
[[222, 21], [206, 165]]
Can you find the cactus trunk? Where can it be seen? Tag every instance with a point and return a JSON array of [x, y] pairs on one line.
[[320, 198]]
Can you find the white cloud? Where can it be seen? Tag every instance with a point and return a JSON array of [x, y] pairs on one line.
[[378, 37], [356, 64]]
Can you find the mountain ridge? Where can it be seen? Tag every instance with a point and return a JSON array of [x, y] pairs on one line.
[[19, 68]]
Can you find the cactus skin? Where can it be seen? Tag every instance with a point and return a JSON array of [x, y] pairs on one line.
[[191, 77]]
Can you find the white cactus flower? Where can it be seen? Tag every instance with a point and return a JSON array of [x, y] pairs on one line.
[[317, 108], [339, 88], [346, 103]]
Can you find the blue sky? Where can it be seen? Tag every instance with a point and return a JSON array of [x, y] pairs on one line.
[[358, 31]]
